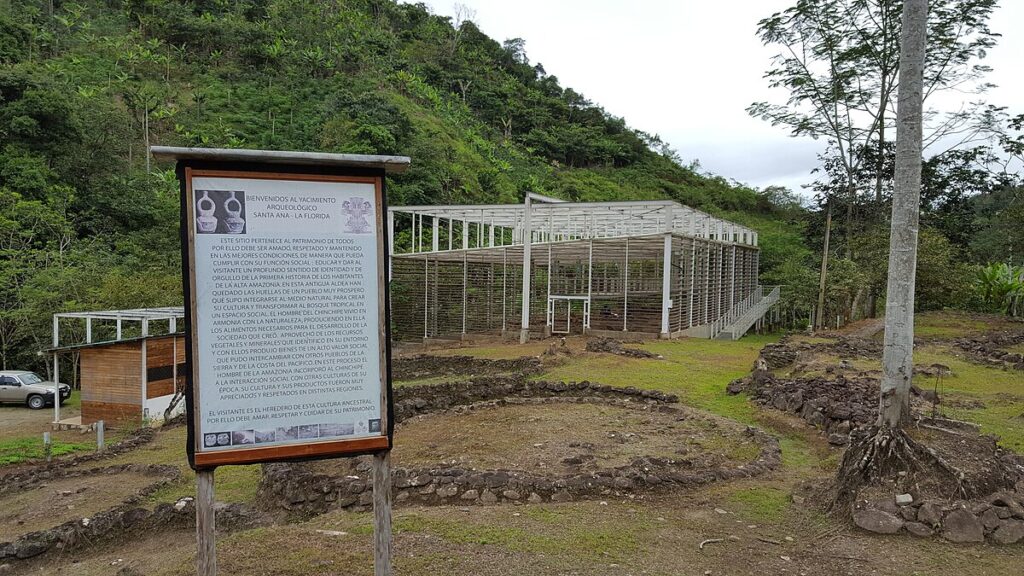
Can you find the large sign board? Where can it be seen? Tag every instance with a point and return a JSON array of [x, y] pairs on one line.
[[287, 306]]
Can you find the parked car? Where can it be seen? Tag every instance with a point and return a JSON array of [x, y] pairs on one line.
[[28, 388]]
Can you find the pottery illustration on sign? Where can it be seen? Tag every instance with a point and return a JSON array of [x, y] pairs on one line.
[[357, 210], [206, 221], [234, 221]]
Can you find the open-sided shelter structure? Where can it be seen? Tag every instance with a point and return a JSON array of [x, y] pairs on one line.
[[547, 266], [131, 362]]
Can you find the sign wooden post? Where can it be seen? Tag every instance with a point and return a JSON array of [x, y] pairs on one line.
[[287, 325], [382, 513], [206, 525]]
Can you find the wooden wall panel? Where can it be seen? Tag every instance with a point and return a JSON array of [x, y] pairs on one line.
[[159, 367], [112, 374], [111, 413]]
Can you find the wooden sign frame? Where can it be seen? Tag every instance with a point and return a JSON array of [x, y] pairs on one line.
[[315, 449]]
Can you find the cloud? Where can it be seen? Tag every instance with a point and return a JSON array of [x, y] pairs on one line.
[[687, 70]]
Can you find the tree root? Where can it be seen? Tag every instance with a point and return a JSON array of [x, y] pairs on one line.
[[883, 456]]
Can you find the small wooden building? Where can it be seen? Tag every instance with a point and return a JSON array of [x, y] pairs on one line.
[[132, 378]]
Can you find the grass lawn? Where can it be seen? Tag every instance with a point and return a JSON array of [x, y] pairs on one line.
[[990, 397], [949, 324], [22, 429], [695, 369], [24, 449]]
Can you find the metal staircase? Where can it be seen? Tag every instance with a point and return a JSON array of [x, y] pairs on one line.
[[735, 323]]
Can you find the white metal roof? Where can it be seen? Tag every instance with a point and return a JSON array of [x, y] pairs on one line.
[[554, 221]]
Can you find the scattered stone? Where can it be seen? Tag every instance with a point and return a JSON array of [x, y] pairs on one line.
[[447, 491], [561, 497], [990, 519], [332, 532], [836, 439], [877, 521], [929, 514], [904, 499], [534, 498], [623, 483], [511, 495], [488, 497], [961, 526], [470, 495], [918, 529], [1009, 532]]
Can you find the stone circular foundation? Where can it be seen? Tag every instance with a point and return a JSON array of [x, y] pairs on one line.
[[86, 529], [991, 349], [584, 472]]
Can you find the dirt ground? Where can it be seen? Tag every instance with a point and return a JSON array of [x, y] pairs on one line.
[[601, 437], [53, 503], [759, 526], [19, 420]]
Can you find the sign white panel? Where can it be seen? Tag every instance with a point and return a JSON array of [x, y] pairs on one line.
[[287, 312]]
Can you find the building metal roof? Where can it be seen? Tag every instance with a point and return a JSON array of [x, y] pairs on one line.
[[500, 225], [390, 164]]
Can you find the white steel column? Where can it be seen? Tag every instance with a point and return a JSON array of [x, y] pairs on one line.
[[590, 281], [465, 234], [524, 333], [145, 367], [391, 243], [433, 234], [451, 232], [56, 370], [426, 295], [88, 330], [504, 297], [732, 280], [707, 285], [625, 289], [549, 317], [391, 232], [666, 285], [693, 279], [465, 285]]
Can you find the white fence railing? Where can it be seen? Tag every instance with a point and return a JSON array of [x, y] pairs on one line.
[[746, 312]]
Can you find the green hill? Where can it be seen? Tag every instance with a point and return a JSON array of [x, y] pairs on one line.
[[87, 222]]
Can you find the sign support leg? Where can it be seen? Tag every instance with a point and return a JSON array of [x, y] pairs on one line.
[[206, 537], [382, 513]]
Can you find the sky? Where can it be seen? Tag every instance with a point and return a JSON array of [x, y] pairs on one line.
[[688, 69]]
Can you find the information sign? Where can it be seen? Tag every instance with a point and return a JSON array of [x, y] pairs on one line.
[[288, 309]]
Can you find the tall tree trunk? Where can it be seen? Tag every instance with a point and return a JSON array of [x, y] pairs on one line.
[[849, 224], [819, 320], [898, 351]]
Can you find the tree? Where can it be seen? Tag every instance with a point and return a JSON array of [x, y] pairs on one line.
[[898, 349], [839, 61], [885, 452]]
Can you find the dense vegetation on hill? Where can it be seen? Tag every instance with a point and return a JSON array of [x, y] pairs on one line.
[[89, 222]]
